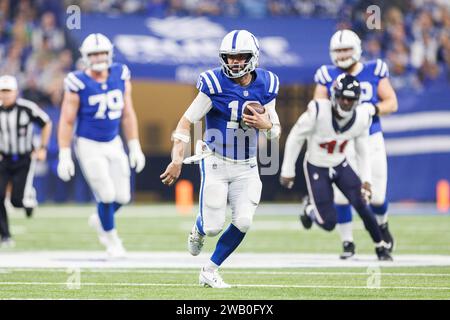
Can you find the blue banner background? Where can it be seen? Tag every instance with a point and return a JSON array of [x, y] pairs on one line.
[[180, 48]]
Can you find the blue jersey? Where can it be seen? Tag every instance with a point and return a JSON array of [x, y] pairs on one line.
[[101, 104], [225, 132], [369, 77]]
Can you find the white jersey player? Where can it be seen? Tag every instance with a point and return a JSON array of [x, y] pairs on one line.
[[98, 100], [228, 165], [376, 90], [329, 126]]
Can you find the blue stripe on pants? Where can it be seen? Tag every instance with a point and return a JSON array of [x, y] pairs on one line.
[[199, 221]]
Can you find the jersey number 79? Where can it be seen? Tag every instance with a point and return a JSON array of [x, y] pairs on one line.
[[112, 100]]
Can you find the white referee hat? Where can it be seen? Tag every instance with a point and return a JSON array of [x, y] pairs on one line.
[[8, 83]]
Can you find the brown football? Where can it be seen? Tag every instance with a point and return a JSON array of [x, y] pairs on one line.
[[256, 106]]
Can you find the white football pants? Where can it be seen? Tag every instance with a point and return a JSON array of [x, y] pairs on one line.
[[378, 162], [106, 169], [223, 181]]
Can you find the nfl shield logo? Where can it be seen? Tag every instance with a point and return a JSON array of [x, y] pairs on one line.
[[245, 93]]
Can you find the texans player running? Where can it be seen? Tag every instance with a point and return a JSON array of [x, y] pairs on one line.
[[345, 53], [98, 100], [329, 126], [228, 165]]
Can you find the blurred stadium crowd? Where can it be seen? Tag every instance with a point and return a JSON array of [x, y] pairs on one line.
[[35, 46], [414, 39]]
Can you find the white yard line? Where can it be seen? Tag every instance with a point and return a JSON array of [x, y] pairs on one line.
[[225, 271], [165, 210], [133, 284], [183, 260]]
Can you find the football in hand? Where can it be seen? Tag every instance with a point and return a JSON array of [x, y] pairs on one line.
[[256, 106]]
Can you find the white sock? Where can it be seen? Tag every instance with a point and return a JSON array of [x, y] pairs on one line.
[[97, 224], [345, 231], [381, 218], [211, 266], [380, 244], [111, 235]]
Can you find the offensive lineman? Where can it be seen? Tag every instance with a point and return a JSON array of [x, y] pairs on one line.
[[98, 100], [329, 126], [228, 165], [345, 53]]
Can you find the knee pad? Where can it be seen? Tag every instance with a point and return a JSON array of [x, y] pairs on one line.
[[122, 197], [214, 200], [254, 191], [215, 196], [378, 200], [344, 213], [105, 194], [212, 232], [243, 223], [245, 208], [325, 215]]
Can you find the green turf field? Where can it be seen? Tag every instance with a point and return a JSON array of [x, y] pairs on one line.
[[159, 228]]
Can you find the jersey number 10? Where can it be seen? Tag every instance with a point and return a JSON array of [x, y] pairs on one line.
[[234, 106], [112, 101]]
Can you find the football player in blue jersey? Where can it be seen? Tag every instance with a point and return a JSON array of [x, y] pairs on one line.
[[227, 156], [345, 53], [98, 100]]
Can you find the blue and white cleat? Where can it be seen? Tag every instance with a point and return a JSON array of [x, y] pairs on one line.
[[195, 241]]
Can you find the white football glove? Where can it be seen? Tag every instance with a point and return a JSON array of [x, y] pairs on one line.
[[66, 167], [137, 157], [287, 182]]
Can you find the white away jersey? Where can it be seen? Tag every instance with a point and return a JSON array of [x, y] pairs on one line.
[[326, 139]]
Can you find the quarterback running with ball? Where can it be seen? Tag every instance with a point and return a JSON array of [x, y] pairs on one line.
[[227, 156]]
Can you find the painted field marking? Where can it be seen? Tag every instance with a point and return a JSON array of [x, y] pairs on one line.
[[125, 284], [181, 271]]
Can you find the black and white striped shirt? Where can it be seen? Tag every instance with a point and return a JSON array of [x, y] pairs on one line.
[[16, 126]]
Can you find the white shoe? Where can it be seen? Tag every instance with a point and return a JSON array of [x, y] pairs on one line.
[[116, 251], [7, 243], [195, 241], [114, 246], [94, 222], [212, 279]]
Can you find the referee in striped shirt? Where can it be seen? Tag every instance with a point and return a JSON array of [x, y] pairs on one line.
[[17, 155]]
